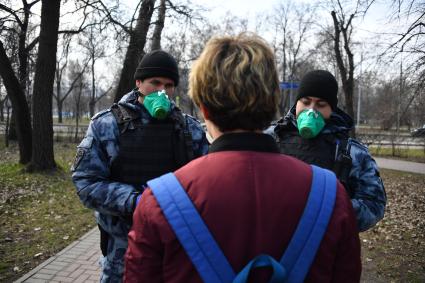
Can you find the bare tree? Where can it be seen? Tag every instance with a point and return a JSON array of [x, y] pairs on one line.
[[58, 95], [20, 106], [42, 149], [281, 21], [138, 37], [16, 21], [24, 49], [177, 45], [92, 43], [10, 45], [185, 48], [77, 93], [159, 26], [411, 42], [292, 23], [346, 70], [187, 43], [16, 84], [7, 124], [324, 50], [343, 29], [135, 48], [3, 98]]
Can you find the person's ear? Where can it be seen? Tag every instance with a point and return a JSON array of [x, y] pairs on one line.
[[204, 111]]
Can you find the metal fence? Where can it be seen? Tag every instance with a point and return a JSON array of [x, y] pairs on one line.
[[61, 133], [392, 140], [70, 133], [67, 133]]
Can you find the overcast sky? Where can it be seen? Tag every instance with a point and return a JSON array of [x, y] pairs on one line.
[[376, 19], [241, 8]]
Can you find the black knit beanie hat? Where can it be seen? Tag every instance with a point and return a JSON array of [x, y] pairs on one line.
[[157, 63], [321, 84]]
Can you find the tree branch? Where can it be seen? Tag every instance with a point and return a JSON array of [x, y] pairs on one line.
[[32, 44], [338, 55], [13, 13], [182, 10], [75, 81], [133, 18], [32, 3], [407, 35], [109, 16], [103, 94]]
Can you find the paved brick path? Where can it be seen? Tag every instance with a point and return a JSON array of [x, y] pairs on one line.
[[76, 263]]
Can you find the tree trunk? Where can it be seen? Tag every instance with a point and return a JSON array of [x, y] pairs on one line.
[[58, 96], [2, 110], [12, 133], [135, 49], [42, 154], [22, 50], [93, 88], [6, 130], [284, 94], [2, 104], [76, 127], [19, 106], [159, 26], [346, 72], [60, 107], [77, 111], [92, 103]]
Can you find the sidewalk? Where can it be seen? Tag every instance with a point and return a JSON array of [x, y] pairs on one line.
[[400, 165], [79, 261], [76, 263]]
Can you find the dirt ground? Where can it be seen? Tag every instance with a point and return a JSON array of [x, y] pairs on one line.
[[394, 250]]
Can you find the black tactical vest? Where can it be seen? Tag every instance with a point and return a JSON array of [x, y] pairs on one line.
[[147, 151], [320, 151], [330, 151]]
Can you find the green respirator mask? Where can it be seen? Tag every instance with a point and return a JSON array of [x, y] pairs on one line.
[[310, 122], [158, 104]]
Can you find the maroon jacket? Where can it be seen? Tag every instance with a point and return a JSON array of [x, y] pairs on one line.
[[251, 199]]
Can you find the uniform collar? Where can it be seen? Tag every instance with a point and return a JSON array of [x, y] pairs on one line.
[[244, 142]]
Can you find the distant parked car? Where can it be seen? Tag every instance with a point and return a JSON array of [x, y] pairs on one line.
[[419, 132]]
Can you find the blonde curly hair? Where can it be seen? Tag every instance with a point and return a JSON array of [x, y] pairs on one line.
[[235, 79]]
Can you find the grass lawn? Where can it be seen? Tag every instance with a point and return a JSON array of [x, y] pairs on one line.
[[416, 155], [40, 214]]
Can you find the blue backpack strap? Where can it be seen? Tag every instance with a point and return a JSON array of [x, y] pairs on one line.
[[207, 257], [305, 242], [303, 246], [191, 230], [279, 272]]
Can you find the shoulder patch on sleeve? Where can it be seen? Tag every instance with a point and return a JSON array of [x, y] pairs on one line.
[[78, 157], [99, 114], [82, 150]]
